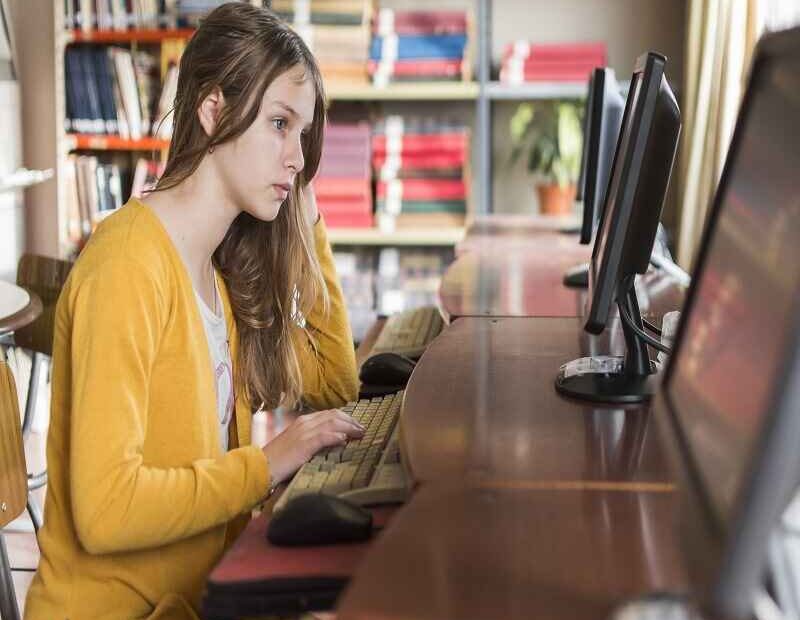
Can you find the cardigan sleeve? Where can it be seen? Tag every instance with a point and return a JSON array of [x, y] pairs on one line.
[[118, 502], [326, 353]]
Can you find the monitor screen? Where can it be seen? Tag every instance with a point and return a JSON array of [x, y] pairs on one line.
[[741, 313], [614, 183], [587, 117], [604, 113], [638, 184]]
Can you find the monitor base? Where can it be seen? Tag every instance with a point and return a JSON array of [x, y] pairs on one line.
[[607, 388], [577, 276]]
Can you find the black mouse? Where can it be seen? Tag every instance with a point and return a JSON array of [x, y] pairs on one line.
[[319, 519], [386, 369]]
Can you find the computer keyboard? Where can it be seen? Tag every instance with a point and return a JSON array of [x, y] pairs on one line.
[[366, 471], [409, 332]]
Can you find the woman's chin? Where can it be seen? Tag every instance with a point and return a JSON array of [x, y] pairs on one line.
[[266, 212]]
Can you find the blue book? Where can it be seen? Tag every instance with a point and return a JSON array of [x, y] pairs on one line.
[[411, 47]]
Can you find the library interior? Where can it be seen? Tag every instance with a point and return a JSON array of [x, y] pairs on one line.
[[460, 355]]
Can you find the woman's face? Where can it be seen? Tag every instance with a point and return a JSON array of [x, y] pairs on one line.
[[259, 168]]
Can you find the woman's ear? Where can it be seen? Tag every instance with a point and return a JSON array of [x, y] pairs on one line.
[[210, 110]]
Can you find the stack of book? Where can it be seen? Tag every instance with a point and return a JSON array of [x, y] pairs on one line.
[[409, 278], [356, 271], [419, 46], [421, 166], [524, 61], [343, 182], [116, 91], [93, 190], [89, 15], [337, 31]]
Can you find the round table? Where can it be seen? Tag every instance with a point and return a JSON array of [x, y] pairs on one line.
[[18, 307]]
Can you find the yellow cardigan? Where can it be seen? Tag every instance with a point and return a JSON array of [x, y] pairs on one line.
[[141, 501]]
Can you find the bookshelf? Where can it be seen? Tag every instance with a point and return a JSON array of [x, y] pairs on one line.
[[93, 142], [111, 37], [498, 22]]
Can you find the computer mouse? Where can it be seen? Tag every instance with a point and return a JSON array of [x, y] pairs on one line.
[[319, 519], [386, 369]]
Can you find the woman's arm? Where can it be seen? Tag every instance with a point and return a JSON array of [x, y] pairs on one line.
[[326, 353], [118, 502]]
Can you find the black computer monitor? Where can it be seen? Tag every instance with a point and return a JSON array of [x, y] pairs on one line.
[[637, 187], [732, 387], [602, 118], [585, 146], [600, 144]]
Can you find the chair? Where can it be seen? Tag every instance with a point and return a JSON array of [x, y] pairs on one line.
[[44, 276], [13, 483]]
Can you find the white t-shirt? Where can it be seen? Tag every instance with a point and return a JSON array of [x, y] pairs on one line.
[[217, 336]]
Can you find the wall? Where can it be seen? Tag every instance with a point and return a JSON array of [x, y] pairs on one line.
[[35, 40]]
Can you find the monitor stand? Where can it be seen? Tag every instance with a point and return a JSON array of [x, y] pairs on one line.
[[577, 276], [607, 379]]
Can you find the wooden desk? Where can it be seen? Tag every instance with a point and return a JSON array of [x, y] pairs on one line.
[[481, 404], [516, 224], [523, 277], [488, 553], [514, 277]]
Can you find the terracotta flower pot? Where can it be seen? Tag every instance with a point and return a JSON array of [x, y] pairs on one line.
[[556, 200]]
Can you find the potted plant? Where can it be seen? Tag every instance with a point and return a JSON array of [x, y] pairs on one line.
[[551, 135]]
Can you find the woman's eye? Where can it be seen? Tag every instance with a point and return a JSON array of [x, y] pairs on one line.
[[280, 123]]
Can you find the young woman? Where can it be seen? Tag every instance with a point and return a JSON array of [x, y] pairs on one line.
[[184, 312]]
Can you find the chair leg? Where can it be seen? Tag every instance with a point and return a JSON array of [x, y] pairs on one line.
[[8, 599], [33, 392], [35, 513]]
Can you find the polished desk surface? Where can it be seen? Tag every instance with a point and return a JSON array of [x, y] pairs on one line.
[[515, 224], [499, 553], [519, 276], [523, 277], [481, 405]]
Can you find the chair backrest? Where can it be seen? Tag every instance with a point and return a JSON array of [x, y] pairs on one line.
[[13, 473], [44, 276]]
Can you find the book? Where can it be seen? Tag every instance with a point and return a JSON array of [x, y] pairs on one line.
[[422, 190], [557, 51], [406, 47], [419, 69], [390, 21], [412, 143]]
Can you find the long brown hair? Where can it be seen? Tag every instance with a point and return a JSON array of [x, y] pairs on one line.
[[270, 268]]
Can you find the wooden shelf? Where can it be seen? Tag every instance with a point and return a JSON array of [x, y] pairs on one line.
[[541, 90], [442, 237], [419, 91], [114, 143], [128, 36]]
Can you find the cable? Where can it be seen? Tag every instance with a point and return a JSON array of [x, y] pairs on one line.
[[628, 285], [626, 317], [653, 328]]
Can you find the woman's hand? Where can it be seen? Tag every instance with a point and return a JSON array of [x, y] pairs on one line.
[[306, 436]]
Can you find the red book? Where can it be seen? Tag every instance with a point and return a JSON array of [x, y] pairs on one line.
[[545, 75], [341, 188], [345, 206], [556, 51], [419, 22], [431, 67], [349, 220], [424, 161], [425, 189], [423, 143]]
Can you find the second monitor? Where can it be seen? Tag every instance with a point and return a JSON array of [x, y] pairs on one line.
[[639, 178]]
